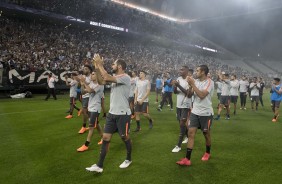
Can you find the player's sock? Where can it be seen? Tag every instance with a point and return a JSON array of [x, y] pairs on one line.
[[181, 135], [87, 143], [208, 149], [104, 150], [138, 123], [84, 125], [188, 153], [128, 149]]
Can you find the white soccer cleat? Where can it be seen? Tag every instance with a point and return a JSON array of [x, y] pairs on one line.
[[185, 141], [176, 149], [125, 164], [94, 168]]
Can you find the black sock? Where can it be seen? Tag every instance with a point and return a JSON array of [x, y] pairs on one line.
[[150, 121], [208, 149], [181, 135], [128, 149], [87, 143], [138, 123], [274, 117], [84, 125], [188, 153], [104, 150]]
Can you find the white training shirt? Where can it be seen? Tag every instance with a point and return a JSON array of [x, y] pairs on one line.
[[132, 87], [182, 101], [87, 82], [234, 87], [94, 103], [254, 89], [219, 86], [51, 82], [203, 107], [142, 86], [225, 88], [73, 86], [243, 86], [119, 95]]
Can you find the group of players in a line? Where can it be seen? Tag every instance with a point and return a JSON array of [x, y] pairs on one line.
[[129, 99]]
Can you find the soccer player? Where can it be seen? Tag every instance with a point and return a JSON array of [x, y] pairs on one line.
[[183, 105], [94, 108], [254, 87], [86, 79], [262, 85], [159, 86], [225, 96], [218, 88], [118, 118], [168, 89], [243, 89], [51, 87], [202, 112], [276, 98], [73, 86], [234, 83], [141, 101], [131, 94]]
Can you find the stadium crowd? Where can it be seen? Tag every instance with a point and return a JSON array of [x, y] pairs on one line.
[[33, 46]]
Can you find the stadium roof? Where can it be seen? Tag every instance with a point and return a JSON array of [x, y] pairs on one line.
[[246, 27]]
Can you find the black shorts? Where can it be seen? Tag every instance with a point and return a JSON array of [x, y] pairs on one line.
[[117, 123], [225, 100], [202, 122], [234, 99], [255, 99], [144, 108], [93, 119], [79, 96], [275, 103], [159, 91], [218, 95], [131, 100], [182, 113], [72, 100], [85, 102]]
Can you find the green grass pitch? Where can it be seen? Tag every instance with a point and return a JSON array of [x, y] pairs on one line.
[[38, 145]]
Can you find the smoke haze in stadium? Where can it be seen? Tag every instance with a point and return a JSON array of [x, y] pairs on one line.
[[246, 27]]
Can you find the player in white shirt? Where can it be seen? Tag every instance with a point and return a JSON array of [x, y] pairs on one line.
[[133, 81], [183, 106], [243, 89], [118, 118], [86, 79], [141, 101], [225, 96], [255, 87], [234, 90], [51, 87], [73, 93], [201, 115], [94, 108]]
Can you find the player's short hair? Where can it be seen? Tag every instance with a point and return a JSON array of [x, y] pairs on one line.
[[143, 71], [277, 79], [89, 67], [129, 73], [191, 71], [122, 63], [204, 68]]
